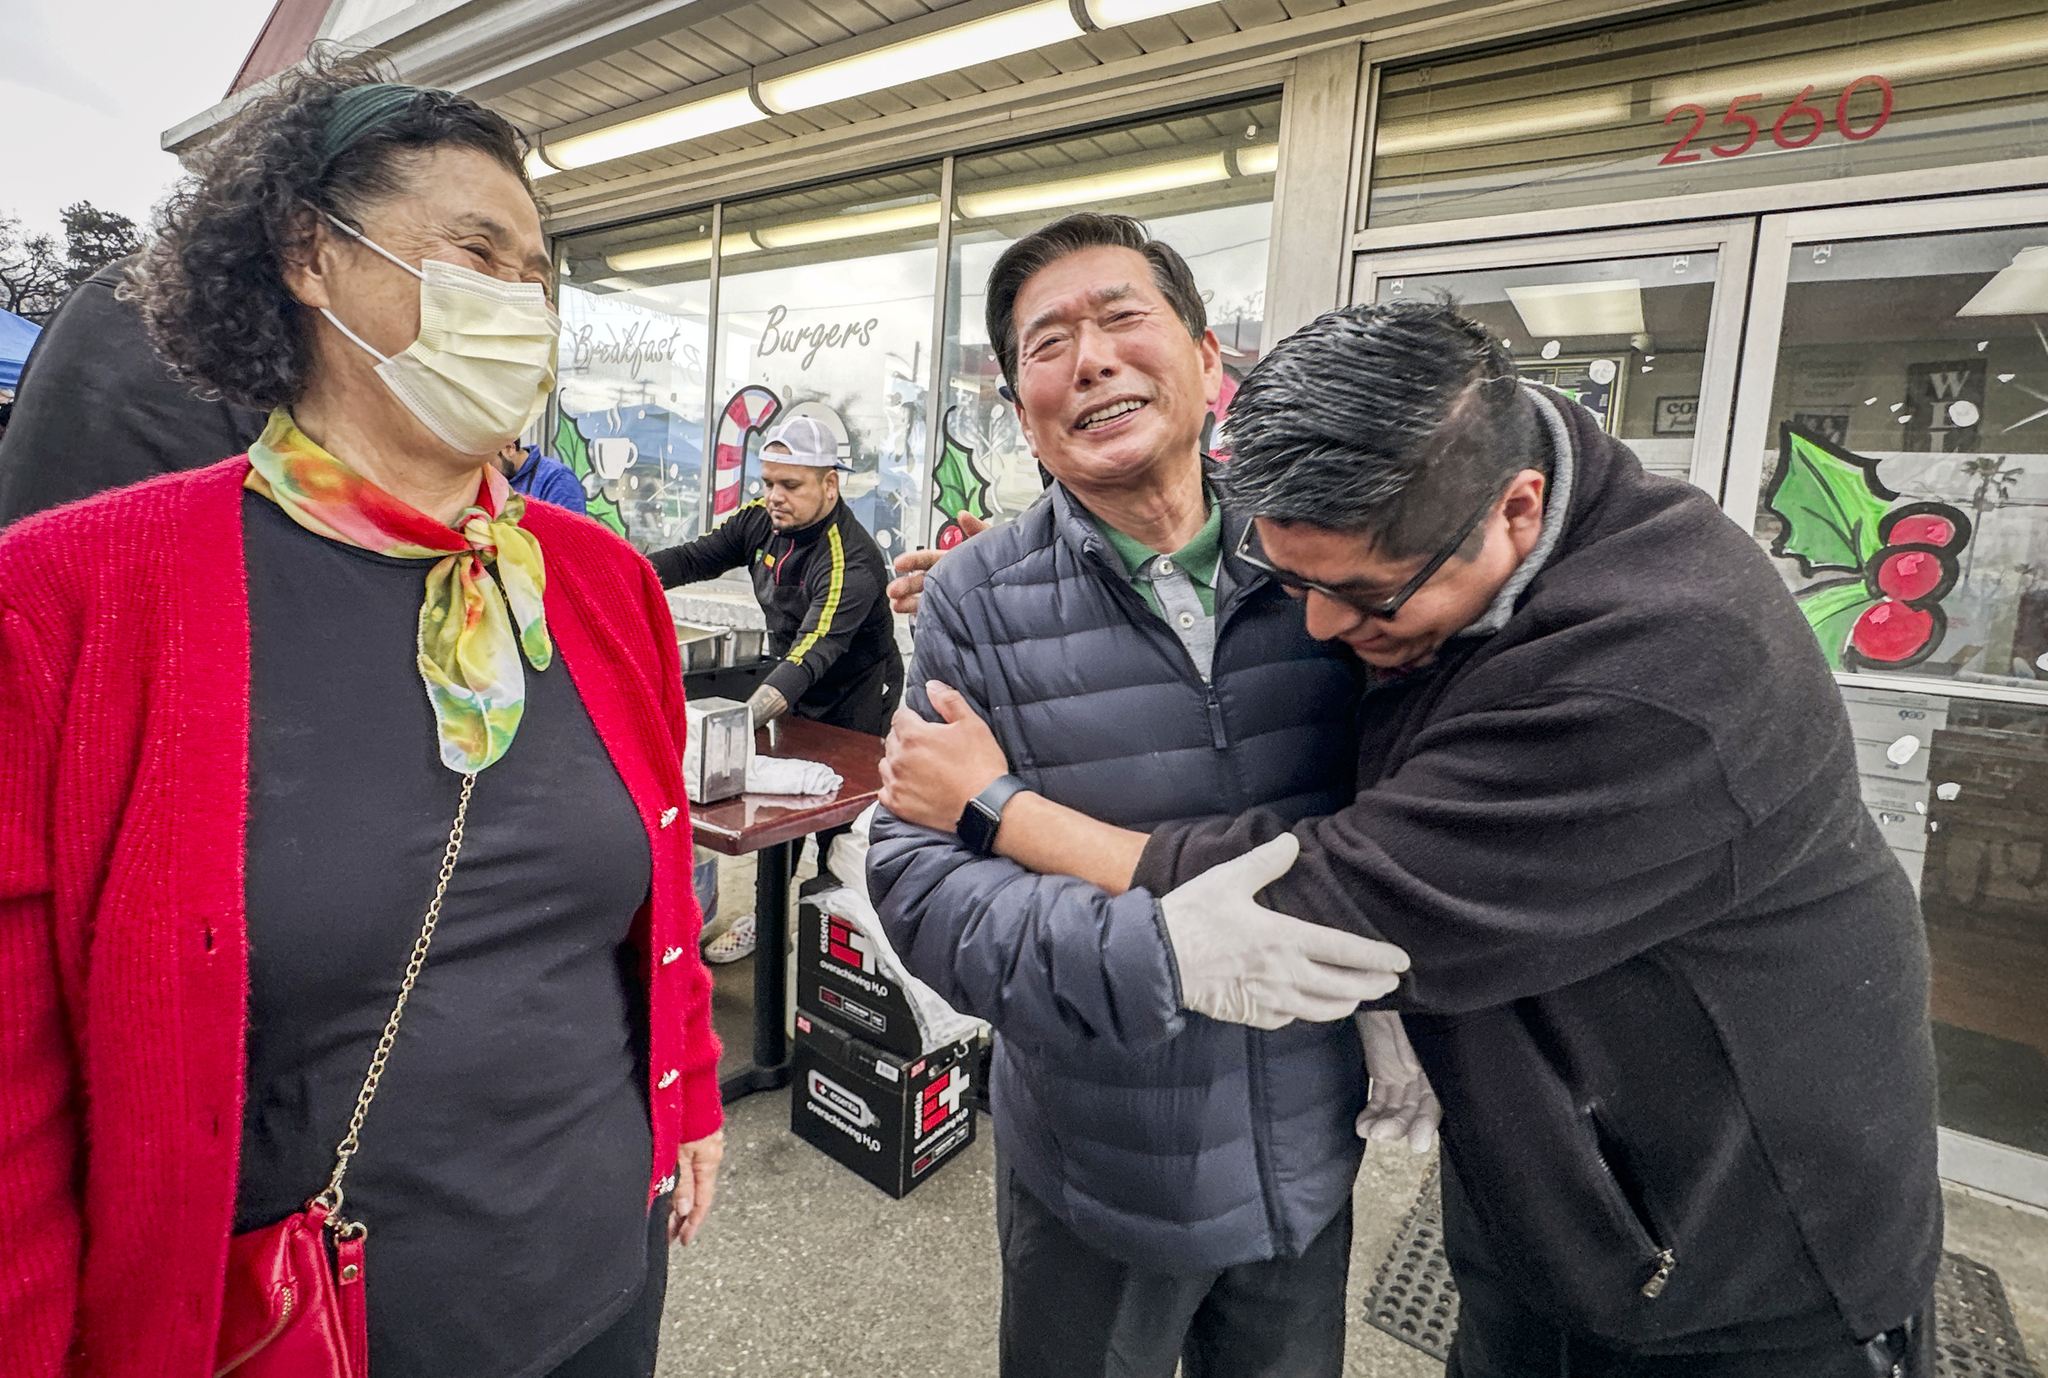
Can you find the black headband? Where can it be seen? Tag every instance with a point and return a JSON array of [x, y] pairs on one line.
[[359, 110]]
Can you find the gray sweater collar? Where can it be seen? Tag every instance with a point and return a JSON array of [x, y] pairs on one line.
[[1556, 509]]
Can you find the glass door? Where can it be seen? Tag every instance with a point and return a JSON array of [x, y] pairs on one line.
[[1642, 327], [1890, 452]]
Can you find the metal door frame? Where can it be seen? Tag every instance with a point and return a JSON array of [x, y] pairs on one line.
[[1734, 242]]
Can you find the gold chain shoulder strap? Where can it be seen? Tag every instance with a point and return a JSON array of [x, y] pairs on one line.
[[331, 1196]]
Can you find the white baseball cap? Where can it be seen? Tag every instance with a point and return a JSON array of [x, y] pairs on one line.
[[809, 442]]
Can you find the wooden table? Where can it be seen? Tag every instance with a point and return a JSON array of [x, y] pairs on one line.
[[774, 825]]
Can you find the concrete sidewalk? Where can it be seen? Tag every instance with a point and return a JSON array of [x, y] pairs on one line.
[[806, 1271]]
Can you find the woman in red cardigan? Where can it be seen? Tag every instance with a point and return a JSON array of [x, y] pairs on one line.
[[248, 716]]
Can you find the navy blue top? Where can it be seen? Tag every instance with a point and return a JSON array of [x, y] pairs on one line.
[[550, 480], [503, 1171]]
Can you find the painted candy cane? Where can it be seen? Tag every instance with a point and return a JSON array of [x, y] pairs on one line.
[[748, 411]]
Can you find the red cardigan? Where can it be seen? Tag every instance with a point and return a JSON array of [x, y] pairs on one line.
[[124, 759]]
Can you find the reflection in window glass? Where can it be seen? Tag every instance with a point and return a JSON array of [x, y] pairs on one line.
[[825, 309], [1202, 182], [1956, 786], [635, 316], [1626, 337], [1747, 95]]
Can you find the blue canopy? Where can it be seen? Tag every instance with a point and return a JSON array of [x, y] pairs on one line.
[[16, 338]]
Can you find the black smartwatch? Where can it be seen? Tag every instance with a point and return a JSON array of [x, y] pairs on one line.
[[984, 814]]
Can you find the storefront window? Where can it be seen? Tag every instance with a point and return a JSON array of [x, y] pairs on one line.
[[635, 306], [1906, 503], [1755, 94], [825, 308], [1626, 337], [1202, 182], [1907, 498]]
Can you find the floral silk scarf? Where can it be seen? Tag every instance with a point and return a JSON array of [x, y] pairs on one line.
[[468, 654]]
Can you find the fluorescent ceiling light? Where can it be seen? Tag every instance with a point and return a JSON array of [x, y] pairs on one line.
[[832, 227], [1107, 186], [1258, 160], [944, 50], [915, 217], [2018, 290], [675, 255], [1107, 14], [988, 39], [1486, 125], [1945, 52], [1564, 310], [618, 284], [684, 122]]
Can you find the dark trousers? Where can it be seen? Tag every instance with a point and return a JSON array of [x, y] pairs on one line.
[[1499, 1338], [626, 1348], [1070, 1311]]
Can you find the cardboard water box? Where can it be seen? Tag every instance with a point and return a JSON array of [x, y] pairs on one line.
[[894, 1120], [845, 974]]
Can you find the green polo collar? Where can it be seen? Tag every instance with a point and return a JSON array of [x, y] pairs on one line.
[[1197, 559]]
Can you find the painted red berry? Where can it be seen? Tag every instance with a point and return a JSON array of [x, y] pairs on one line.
[[1909, 574], [1923, 528], [1891, 632], [950, 536]]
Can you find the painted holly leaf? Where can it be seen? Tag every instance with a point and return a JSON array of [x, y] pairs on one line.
[[1832, 610], [572, 451], [957, 485], [1829, 501]]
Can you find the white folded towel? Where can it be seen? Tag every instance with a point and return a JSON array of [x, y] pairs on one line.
[[785, 775]]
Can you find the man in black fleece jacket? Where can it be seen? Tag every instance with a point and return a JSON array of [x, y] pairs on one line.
[[1667, 979]]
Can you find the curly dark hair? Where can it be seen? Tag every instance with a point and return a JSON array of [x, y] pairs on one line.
[[212, 285]]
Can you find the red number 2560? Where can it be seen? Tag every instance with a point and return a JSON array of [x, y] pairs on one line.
[[1807, 122]]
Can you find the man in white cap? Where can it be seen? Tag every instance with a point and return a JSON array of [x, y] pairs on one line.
[[819, 577]]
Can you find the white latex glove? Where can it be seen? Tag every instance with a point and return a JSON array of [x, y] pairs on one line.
[[1402, 1104], [1245, 964]]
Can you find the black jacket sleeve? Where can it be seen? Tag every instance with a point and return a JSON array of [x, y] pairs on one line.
[[843, 592], [97, 408], [1518, 850], [729, 545]]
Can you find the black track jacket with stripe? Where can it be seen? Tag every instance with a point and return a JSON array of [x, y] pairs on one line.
[[821, 590]]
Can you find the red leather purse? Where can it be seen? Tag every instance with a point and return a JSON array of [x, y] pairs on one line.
[[294, 1305]]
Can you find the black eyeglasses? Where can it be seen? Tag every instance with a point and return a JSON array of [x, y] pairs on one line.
[[1253, 553]]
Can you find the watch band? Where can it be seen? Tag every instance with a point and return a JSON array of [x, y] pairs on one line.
[[984, 815]]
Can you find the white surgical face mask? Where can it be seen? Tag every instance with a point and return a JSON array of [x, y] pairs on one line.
[[484, 363]]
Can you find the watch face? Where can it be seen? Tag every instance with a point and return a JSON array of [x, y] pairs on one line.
[[978, 827]]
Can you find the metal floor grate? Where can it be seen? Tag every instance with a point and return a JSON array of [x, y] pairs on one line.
[[1414, 1300]]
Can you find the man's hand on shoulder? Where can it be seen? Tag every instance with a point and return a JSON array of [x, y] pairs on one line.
[[907, 588]]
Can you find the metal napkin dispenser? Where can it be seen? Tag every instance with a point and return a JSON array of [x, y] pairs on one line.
[[716, 752]]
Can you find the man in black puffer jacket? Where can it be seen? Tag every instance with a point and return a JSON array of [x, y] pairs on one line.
[[1668, 979]]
